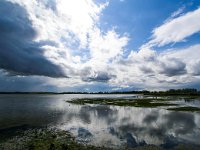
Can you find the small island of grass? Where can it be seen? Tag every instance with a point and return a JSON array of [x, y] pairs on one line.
[[188, 108], [144, 102]]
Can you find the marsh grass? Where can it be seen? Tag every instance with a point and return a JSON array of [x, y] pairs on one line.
[[143, 102]]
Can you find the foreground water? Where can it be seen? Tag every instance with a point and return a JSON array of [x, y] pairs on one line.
[[102, 125]]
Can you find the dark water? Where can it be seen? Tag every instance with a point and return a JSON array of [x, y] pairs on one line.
[[112, 126]]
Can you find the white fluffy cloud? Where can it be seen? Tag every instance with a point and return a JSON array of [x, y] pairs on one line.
[[176, 29], [106, 46], [62, 21], [148, 68], [69, 34], [63, 27], [188, 55]]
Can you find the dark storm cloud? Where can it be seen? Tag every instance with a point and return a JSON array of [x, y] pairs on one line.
[[89, 75], [19, 54], [98, 77], [146, 70], [176, 68]]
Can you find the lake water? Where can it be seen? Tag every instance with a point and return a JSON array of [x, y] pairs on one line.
[[111, 126]]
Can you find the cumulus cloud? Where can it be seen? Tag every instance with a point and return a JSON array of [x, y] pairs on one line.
[[46, 37], [149, 68], [98, 77], [172, 67], [18, 51], [106, 46], [189, 55], [176, 29], [64, 22]]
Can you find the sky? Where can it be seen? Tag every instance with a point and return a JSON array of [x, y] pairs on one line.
[[99, 45]]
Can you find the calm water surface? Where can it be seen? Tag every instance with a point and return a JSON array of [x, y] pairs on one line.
[[99, 125]]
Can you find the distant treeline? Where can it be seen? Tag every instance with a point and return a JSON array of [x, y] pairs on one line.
[[187, 91], [190, 92]]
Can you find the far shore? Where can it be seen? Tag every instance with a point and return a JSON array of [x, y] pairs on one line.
[[171, 92]]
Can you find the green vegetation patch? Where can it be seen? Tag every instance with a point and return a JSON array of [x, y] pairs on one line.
[[188, 108], [146, 102]]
